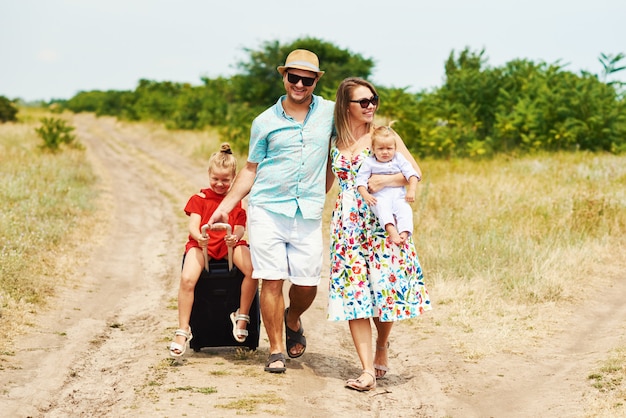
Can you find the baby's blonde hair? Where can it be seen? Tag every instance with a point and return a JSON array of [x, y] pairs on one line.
[[380, 133], [223, 158]]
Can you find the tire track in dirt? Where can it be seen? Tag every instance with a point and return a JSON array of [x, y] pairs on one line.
[[75, 363]]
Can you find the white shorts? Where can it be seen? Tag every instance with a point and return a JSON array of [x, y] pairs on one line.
[[285, 248]]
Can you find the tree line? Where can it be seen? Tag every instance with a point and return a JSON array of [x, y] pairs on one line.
[[520, 107]]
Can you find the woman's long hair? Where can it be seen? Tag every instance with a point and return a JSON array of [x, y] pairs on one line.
[[342, 103]]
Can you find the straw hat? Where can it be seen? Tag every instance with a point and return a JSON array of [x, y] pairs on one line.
[[302, 60]]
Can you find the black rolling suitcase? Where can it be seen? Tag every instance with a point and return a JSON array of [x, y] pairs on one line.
[[217, 295]]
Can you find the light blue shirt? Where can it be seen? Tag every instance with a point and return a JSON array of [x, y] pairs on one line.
[[292, 159]]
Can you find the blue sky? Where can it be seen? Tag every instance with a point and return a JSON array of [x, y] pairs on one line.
[[56, 48]]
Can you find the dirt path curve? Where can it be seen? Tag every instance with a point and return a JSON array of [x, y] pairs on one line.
[[101, 351]]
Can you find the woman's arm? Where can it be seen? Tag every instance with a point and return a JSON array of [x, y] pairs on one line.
[[377, 182], [401, 147]]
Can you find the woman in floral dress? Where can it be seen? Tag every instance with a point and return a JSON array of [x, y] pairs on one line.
[[371, 278]]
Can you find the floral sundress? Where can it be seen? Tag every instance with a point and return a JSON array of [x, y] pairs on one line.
[[370, 276]]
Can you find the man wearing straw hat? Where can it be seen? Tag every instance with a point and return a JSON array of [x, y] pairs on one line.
[[285, 177]]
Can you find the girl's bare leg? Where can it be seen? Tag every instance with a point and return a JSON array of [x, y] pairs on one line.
[[192, 267], [249, 286]]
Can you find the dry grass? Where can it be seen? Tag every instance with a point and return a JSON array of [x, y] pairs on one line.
[[510, 246], [195, 145], [506, 243], [44, 199]]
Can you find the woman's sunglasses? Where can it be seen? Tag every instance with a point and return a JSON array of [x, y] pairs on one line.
[[366, 102], [306, 81]]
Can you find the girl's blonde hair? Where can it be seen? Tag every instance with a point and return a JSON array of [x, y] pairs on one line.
[[223, 158], [380, 133]]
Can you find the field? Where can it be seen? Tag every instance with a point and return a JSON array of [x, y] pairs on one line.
[[524, 258]]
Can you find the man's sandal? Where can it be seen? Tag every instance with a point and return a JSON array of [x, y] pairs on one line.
[[239, 334], [274, 358], [292, 338], [359, 384], [181, 348]]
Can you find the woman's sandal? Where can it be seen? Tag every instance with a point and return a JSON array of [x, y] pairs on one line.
[[181, 348], [359, 384], [380, 369], [239, 334]]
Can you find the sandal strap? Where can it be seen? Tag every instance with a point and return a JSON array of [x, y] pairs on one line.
[[176, 346], [183, 333], [381, 367], [242, 317], [371, 374], [276, 357]]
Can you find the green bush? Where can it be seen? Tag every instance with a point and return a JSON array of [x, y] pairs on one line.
[[8, 111], [55, 132], [479, 111]]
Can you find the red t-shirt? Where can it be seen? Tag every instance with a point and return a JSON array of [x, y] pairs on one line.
[[205, 206]]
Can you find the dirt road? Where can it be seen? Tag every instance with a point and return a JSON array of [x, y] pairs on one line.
[[101, 351]]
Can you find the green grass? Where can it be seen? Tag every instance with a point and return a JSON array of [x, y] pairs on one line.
[[610, 376], [609, 381], [203, 390], [250, 403]]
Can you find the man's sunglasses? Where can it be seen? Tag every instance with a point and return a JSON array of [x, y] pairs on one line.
[[366, 102], [306, 81]]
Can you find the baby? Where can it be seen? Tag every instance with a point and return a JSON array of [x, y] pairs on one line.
[[389, 204]]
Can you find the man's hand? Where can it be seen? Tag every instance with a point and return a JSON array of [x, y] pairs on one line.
[[219, 216]]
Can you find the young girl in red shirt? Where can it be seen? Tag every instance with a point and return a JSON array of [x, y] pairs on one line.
[[199, 208]]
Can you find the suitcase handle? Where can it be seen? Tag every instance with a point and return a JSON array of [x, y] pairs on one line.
[[229, 231]]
